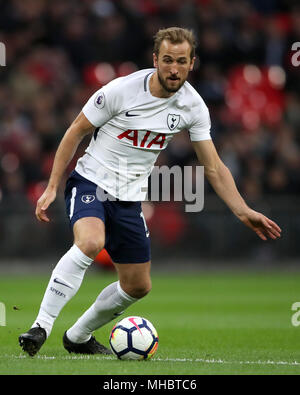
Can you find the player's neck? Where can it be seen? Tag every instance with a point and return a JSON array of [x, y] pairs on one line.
[[156, 89]]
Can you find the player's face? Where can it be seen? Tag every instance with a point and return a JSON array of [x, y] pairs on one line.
[[173, 65]]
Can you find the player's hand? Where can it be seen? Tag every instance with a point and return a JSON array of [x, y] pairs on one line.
[[43, 203], [261, 225]]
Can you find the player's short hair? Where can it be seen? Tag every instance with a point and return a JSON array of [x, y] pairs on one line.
[[176, 35]]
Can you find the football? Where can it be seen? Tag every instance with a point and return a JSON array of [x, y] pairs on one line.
[[134, 338]]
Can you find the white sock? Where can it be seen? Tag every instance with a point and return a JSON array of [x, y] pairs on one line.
[[65, 281], [111, 303]]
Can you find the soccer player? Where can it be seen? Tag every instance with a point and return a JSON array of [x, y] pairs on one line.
[[132, 120]]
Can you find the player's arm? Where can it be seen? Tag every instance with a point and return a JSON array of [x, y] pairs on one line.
[[220, 178], [64, 154]]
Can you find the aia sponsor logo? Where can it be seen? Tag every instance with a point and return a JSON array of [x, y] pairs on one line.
[[144, 139]]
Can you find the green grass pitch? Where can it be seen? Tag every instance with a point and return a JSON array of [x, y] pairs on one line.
[[208, 323]]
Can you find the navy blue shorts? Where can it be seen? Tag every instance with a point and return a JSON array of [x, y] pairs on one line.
[[126, 235]]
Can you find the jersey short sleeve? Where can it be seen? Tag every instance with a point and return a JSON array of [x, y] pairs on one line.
[[200, 125], [102, 105]]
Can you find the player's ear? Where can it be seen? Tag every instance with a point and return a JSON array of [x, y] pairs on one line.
[[192, 63], [155, 60]]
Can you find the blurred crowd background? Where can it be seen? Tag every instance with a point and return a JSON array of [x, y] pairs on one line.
[[58, 52]]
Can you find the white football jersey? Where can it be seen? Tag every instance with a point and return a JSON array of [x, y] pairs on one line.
[[132, 128]]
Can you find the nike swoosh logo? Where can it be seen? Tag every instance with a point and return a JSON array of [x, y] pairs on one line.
[[131, 115], [59, 282]]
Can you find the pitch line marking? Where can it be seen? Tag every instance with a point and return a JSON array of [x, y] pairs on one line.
[[198, 360], [221, 361]]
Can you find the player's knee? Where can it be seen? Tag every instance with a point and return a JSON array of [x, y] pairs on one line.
[[90, 247], [139, 290]]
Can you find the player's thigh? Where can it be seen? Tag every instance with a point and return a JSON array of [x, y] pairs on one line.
[[89, 235], [135, 278]]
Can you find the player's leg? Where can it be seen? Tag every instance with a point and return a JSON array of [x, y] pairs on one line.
[[134, 283], [135, 278], [66, 279], [67, 276], [87, 217], [128, 244]]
